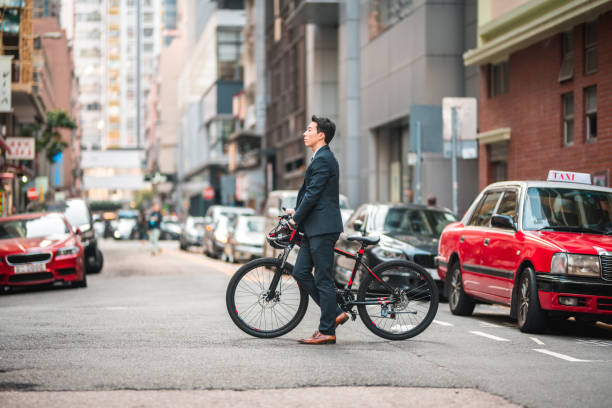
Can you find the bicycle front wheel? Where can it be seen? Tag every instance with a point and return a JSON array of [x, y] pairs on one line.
[[254, 310], [402, 308]]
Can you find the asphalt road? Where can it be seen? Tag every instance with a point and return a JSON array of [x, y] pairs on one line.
[[154, 326]]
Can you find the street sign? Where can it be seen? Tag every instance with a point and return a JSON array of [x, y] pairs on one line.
[[5, 83], [22, 148], [430, 119], [466, 149], [32, 193], [466, 118], [208, 193]]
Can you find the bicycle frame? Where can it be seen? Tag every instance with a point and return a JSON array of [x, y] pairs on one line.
[[358, 257]]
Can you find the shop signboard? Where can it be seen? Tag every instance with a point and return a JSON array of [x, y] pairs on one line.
[[22, 148], [5, 83]]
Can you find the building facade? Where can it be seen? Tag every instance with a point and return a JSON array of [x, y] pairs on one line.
[[211, 76], [545, 80]]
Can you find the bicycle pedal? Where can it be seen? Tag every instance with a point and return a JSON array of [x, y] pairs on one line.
[[353, 315]]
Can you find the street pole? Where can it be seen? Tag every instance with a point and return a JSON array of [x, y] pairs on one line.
[[419, 152], [352, 143], [260, 88], [454, 156], [138, 84]]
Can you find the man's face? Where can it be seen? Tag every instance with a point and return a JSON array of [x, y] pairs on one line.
[[155, 207], [312, 136]]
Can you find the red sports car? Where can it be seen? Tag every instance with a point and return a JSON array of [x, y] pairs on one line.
[[40, 248]]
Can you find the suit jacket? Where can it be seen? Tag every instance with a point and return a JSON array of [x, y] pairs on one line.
[[317, 209]]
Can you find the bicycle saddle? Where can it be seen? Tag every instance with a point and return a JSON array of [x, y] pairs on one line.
[[365, 240]]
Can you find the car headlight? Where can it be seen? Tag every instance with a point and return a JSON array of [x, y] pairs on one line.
[[388, 253], [575, 264], [67, 250]]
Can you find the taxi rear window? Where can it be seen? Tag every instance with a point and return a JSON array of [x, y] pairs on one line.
[[567, 208]]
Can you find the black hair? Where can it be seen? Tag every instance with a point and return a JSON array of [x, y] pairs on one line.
[[326, 126]]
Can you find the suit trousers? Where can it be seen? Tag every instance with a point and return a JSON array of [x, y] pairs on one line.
[[318, 251]]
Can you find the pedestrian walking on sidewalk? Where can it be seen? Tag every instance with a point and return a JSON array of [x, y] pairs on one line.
[[317, 215], [155, 218]]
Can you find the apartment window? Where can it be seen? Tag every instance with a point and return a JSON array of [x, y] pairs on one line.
[[147, 18], [229, 48], [148, 32], [590, 112], [498, 79], [567, 58], [568, 118], [590, 48]]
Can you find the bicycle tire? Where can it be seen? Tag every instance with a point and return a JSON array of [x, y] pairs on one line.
[[426, 292], [249, 321]]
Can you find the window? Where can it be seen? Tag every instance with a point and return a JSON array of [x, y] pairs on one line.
[[568, 118], [590, 113], [229, 49], [498, 79], [508, 205], [567, 61], [590, 48], [484, 211], [148, 32]]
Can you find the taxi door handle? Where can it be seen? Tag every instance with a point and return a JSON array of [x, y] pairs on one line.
[[486, 242], [461, 239]]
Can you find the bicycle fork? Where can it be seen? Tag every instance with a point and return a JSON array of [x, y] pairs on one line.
[[277, 274]]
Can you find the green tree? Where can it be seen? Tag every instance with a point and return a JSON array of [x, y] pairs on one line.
[[50, 140]]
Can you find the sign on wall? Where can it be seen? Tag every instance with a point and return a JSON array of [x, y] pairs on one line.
[[5, 83], [22, 148]]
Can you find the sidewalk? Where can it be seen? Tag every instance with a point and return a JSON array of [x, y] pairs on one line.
[[338, 397]]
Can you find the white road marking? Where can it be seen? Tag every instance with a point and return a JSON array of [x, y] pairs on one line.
[[538, 341], [489, 336], [487, 324], [441, 323], [561, 356]]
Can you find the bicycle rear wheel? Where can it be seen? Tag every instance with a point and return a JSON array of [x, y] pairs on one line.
[[407, 309], [247, 301]]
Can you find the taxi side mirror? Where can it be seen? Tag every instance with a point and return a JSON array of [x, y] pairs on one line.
[[78, 231], [503, 221]]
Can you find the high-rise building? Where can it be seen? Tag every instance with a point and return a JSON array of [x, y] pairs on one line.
[[169, 21], [130, 71], [88, 46]]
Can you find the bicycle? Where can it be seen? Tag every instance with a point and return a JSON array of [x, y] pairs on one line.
[[396, 300]]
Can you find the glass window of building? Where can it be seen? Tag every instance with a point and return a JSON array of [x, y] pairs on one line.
[[590, 112], [590, 48], [568, 118]]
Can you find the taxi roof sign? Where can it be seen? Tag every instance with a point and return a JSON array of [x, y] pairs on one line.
[[569, 177]]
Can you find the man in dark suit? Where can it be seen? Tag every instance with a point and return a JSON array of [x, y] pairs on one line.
[[317, 215]]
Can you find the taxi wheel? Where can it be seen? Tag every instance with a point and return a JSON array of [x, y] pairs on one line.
[[458, 301], [531, 318]]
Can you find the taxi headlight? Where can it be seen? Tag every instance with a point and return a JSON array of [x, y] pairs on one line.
[[67, 250], [575, 264], [583, 265]]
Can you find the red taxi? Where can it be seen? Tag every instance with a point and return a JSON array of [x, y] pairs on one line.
[[544, 248], [39, 248]]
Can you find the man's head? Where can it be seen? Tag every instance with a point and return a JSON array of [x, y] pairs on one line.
[[155, 207], [319, 132]]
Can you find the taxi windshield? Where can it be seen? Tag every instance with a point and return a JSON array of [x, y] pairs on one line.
[[565, 209]]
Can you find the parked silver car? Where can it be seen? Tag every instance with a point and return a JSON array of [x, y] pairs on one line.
[[245, 240], [192, 232], [212, 242]]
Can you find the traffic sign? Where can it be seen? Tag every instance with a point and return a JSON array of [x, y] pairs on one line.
[[208, 193], [32, 193]]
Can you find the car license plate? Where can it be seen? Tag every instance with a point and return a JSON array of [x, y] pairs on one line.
[[32, 267]]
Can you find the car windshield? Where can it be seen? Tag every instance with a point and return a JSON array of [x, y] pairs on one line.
[[75, 211], [410, 221], [568, 209], [33, 227], [249, 224]]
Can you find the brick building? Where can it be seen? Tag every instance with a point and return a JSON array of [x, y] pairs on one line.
[[545, 89]]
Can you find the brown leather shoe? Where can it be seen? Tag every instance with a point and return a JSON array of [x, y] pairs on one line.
[[319, 338], [341, 319], [315, 334]]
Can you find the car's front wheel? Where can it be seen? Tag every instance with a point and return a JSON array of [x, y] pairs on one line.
[[531, 317], [458, 301]]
